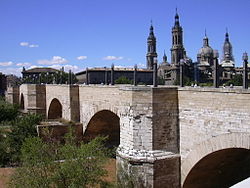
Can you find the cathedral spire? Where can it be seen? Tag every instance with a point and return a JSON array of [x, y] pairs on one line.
[[165, 57], [205, 40], [177, 50], [228, 59], [226, 36], [151, 52], [177, 22]]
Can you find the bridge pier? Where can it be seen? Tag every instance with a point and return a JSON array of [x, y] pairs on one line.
[[149, 155], [34, 98]]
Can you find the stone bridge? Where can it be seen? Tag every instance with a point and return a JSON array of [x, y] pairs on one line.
[[166, 136]]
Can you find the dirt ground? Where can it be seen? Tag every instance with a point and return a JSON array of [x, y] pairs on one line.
[[5, 173]]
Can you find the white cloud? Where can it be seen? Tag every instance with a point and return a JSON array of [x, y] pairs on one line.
[[122, 66], [112, 58], [82, 57], [141, 65], [26, 44], [23, 64], [33, 45], [9, 63], [67, 67], [15, 71], [54, 61]]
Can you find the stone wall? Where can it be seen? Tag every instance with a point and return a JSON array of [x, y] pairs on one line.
[[206, 113]]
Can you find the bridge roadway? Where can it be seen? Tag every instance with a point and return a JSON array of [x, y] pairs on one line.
[[167, 136]]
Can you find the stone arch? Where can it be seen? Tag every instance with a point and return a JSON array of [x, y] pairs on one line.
[[22, 102], [55, 109], [104, 123], [216, 159]]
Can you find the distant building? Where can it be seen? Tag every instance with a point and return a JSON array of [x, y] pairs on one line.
[[13, 80], [43, 75], [98, 75]]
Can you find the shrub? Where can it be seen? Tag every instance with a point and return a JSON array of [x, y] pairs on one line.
[[22, 127], [68, 165], [8, 111], [123, 80]]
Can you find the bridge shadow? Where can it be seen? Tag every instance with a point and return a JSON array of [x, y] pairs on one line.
[[222, 168], [55, 109], [104, 123]]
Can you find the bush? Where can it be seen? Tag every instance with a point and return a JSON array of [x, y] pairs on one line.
[[123, 80], [69, 165], [237, 80], [8, 111]]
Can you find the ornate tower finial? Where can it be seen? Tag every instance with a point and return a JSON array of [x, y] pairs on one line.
[[226, 36], [177, 24], [165, 57], [205, 32], [228, 59]]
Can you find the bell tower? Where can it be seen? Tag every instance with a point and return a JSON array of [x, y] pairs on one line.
[[151, 52], [177, 50]]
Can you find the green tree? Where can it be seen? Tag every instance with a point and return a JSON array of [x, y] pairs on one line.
[[22, 127], [68, 165]]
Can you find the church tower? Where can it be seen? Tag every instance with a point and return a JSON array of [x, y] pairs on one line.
[[151, 52], [228, 59], [177, 50]]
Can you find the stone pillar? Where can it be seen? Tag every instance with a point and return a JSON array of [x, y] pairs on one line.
[[181, 73], [112, 74], [245, 71], [87, 76], [148, 154], [216, 69], [155, 78], [135, 75], [12, 94], [34, 98]]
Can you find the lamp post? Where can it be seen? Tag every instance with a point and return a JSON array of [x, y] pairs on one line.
[[135, 75], [112, 74], [216, 68], [87, 76], [155, 83], [245, 71], [181, 73], [106, 76]]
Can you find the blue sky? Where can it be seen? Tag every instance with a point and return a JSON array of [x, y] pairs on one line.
[[96, 33]]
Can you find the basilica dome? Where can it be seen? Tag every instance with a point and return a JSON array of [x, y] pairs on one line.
[[206, 50]]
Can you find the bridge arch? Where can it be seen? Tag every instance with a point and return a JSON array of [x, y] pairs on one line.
[[104, 123], [221, 161], [21, 103], [55, 109]]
